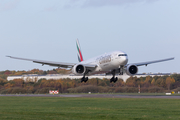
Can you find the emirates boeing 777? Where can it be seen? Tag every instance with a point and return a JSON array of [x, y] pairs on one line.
[[109, 63]]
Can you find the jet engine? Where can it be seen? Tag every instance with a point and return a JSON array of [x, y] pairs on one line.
[[131, 70], [79, 69]]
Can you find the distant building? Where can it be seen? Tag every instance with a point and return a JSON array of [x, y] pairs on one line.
[[35, 77]]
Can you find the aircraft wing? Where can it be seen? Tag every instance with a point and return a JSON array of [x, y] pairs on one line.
[[51, 63], [57, 64], [141, 64], [150, 62]]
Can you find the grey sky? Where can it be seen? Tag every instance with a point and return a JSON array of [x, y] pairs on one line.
[[47, 30]]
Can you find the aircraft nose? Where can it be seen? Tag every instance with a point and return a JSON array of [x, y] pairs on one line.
[[124, 60]]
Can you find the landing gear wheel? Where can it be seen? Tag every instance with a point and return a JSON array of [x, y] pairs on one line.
[[113, 79], [84, 79]]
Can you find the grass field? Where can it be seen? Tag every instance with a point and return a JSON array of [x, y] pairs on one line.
[[58, 108]]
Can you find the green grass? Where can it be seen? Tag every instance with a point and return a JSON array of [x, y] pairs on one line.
[[58, 108], [139, 94]]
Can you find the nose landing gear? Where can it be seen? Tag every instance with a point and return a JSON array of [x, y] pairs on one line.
[[121, 70]]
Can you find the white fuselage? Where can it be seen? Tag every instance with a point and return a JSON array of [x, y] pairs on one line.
[[107, 62]]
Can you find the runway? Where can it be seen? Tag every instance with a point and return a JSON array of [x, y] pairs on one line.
[[94, 96]]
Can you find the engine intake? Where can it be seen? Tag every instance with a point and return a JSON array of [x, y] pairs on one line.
[[78, 69], [131, 70]]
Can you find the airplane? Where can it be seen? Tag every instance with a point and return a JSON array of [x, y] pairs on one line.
[[115, 62]]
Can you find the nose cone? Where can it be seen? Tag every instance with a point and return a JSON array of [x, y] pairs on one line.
[[123, 60]]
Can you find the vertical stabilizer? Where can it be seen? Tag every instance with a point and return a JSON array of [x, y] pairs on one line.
[[79, 53]]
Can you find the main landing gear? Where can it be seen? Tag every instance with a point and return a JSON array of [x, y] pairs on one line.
[[113, 79], [84, 79]]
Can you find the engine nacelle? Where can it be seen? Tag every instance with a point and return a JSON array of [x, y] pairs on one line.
[[131, 70], [79, 69]]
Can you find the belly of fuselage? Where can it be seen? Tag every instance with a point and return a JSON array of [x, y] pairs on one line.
[[109, 65]]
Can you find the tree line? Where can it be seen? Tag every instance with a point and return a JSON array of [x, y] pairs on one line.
[[95, 85]]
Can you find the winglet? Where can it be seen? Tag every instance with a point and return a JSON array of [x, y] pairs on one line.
[[79, 53]]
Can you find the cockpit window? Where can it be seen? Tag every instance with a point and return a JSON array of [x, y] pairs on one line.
[[122, 55]]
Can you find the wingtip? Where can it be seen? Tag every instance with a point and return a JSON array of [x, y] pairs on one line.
[[8, 56]]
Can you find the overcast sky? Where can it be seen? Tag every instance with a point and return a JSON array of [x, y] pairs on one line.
[[47, 29]]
